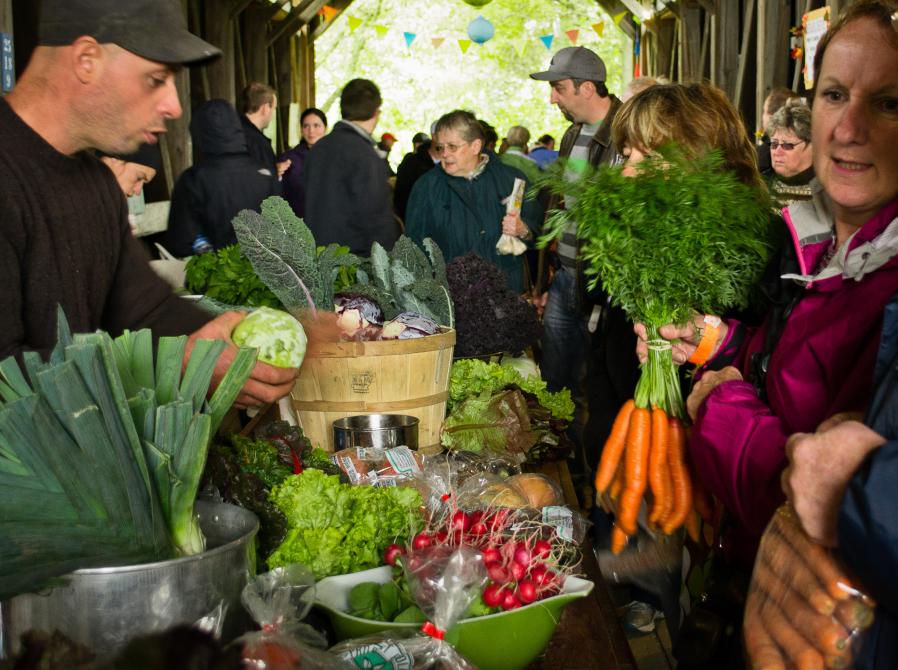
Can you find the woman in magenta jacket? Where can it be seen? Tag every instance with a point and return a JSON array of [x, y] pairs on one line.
[[813, 356]]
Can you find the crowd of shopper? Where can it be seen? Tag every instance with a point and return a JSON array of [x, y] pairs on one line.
[[799, 405]]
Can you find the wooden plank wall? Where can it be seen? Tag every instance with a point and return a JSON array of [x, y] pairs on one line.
[[742, 46]]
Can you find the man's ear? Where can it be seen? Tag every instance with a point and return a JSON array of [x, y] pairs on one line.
[[87, 59], [480, 142]]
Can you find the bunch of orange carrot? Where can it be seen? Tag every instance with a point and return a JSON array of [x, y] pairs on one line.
[[802, 610], [646, 453]]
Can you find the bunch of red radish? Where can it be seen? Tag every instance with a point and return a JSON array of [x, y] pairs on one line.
[[524, 558]]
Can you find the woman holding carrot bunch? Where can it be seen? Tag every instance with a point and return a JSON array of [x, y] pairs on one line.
[[812, 358], [690, 190], [686, 124]]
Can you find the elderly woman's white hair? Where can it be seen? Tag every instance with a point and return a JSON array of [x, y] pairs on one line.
[[795, 115]]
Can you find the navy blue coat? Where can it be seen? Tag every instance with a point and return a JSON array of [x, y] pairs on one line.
[[868, 518], [348, 199]]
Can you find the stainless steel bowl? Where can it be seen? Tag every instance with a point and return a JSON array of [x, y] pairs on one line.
[[383, 431], [103, 608]]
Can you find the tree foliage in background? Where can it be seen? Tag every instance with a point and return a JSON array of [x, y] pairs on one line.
[[421, 83]]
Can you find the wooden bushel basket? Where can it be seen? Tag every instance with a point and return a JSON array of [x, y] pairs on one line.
[[340, 379]]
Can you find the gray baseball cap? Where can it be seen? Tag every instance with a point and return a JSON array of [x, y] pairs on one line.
[[573, 63], [152, 29]]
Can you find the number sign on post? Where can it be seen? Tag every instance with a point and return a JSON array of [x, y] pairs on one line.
[[7, 63]]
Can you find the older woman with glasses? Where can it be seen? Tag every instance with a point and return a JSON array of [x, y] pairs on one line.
[[462, 205], [791, 154]]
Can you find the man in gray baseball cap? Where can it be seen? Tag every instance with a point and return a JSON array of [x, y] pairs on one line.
[[101, 78], [152, 29], [576, 76]]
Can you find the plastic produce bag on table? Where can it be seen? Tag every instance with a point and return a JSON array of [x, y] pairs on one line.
[[444, 581], [278, 601], [803, 611], [370, 466]]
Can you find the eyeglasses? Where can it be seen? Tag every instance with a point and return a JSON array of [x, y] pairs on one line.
[[451, 148], [785, 146]]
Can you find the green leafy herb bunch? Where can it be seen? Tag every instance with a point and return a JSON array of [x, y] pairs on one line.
[[683, 235]]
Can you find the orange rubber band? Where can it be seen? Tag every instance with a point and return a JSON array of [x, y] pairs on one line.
[[709, 340]]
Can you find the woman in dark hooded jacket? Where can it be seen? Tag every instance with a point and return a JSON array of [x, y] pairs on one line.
[[223, 182]]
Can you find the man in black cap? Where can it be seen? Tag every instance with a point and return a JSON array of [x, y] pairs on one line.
[[574, 321], [102, 77]]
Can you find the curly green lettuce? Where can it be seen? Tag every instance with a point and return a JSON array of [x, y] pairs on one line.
[[336, 528]]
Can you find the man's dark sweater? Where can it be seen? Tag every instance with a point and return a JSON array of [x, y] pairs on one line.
[[347, 192], [64, 239]]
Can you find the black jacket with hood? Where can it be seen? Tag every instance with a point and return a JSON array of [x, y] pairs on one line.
[[223, 182]]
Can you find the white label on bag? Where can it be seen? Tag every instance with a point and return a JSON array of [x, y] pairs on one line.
[[402, 461], [350, 469], [380, 656], [562, 519]]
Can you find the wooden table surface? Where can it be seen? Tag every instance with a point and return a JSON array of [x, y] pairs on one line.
[[589, 635]]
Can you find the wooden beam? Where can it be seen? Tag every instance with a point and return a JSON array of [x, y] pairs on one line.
[[255, 29], [704, 65], [308, 9], [743, 52], [220, 32], [690, 44], [725, 46], [285, 28], [239, 6], [177, 146], [305, 64], [710, 6], [319, 26]]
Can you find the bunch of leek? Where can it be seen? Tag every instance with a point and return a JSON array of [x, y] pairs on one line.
[[102, 450]]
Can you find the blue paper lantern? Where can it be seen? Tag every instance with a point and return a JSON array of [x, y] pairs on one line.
[[480, 30]]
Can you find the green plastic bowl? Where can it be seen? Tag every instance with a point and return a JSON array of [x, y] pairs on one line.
[[506, 641]]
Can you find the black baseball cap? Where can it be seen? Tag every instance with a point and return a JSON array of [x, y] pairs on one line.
[[152, 29], [573, 63]]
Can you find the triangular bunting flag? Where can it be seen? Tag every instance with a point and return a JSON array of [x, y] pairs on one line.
[[354, 23], [547, 41], [463, 45], [572, 35], [437, 42], [619, 17], [381, 30], [329, 12], [599, 28], [409, 38], [637, 20], [521, 47]]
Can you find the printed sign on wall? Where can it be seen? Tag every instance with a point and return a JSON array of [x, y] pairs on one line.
[[7, 63], [816, 24]]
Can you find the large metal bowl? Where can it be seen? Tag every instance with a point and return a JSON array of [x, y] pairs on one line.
[[102, 608], [381, 431]]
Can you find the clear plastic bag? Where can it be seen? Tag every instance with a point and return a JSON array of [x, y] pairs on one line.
[[278, 601], [444, 581], [802, 611], [370, 466]]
